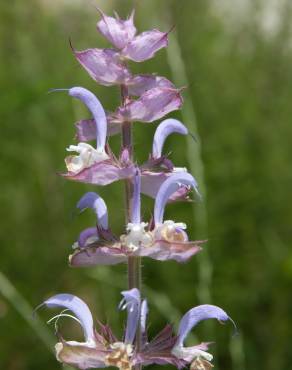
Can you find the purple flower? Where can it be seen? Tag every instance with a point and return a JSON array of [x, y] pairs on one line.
[[101, 348], [166, 348], [93, 234], [167, 240], [95, 166], [158, 168]]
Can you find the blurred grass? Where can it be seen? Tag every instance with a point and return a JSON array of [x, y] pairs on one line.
[[239, 79]]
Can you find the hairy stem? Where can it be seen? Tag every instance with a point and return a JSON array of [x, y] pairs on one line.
[[134, 263]]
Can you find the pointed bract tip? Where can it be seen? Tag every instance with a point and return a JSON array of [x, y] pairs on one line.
[[100, 12], [193, 136], [132, 15], [71, 45], [171, 29]]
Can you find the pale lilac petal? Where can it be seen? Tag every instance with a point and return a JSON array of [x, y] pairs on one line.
[[164, 129], [102, 173], [163, 251], [132, 302], [94, 201], [136, 202], [86, 129], [170, 186], [151, 106], [117, 31], [195, 315], [103, 65], [139, 84], [144, 313], [100, 255], [152, 181], [80, 356], [79, 309], [94, 106], [86, 235], [145, 45]]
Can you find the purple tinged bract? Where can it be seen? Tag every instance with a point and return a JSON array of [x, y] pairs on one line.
[[139, 84], [103, 65], [151, 106], [117, 31], [145, 45]]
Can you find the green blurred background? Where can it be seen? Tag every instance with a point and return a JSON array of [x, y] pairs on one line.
[[236, 59]]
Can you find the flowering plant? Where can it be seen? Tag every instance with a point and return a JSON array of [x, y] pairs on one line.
[[145, 98]]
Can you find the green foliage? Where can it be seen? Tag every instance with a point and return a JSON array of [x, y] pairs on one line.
[[239, 82]]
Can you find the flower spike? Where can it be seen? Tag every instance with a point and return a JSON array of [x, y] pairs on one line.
[[95, 107], [164, 129], [80, 310], [171, 185], [94, 201]]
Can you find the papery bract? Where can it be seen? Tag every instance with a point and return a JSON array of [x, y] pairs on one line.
[[117, 31], [103, 65], [139, 84], [151, 106], [145, 45]]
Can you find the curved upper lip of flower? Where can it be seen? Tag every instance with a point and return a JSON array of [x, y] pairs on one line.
[[171, 185], [164, 129]]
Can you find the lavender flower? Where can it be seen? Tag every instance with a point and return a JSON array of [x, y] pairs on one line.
[[101, 348], [167, 240], [158, 168], [95, 166]]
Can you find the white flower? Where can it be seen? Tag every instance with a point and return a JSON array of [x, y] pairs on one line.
[[137, 236], [171, 231], [189, 353], [86, 158]]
